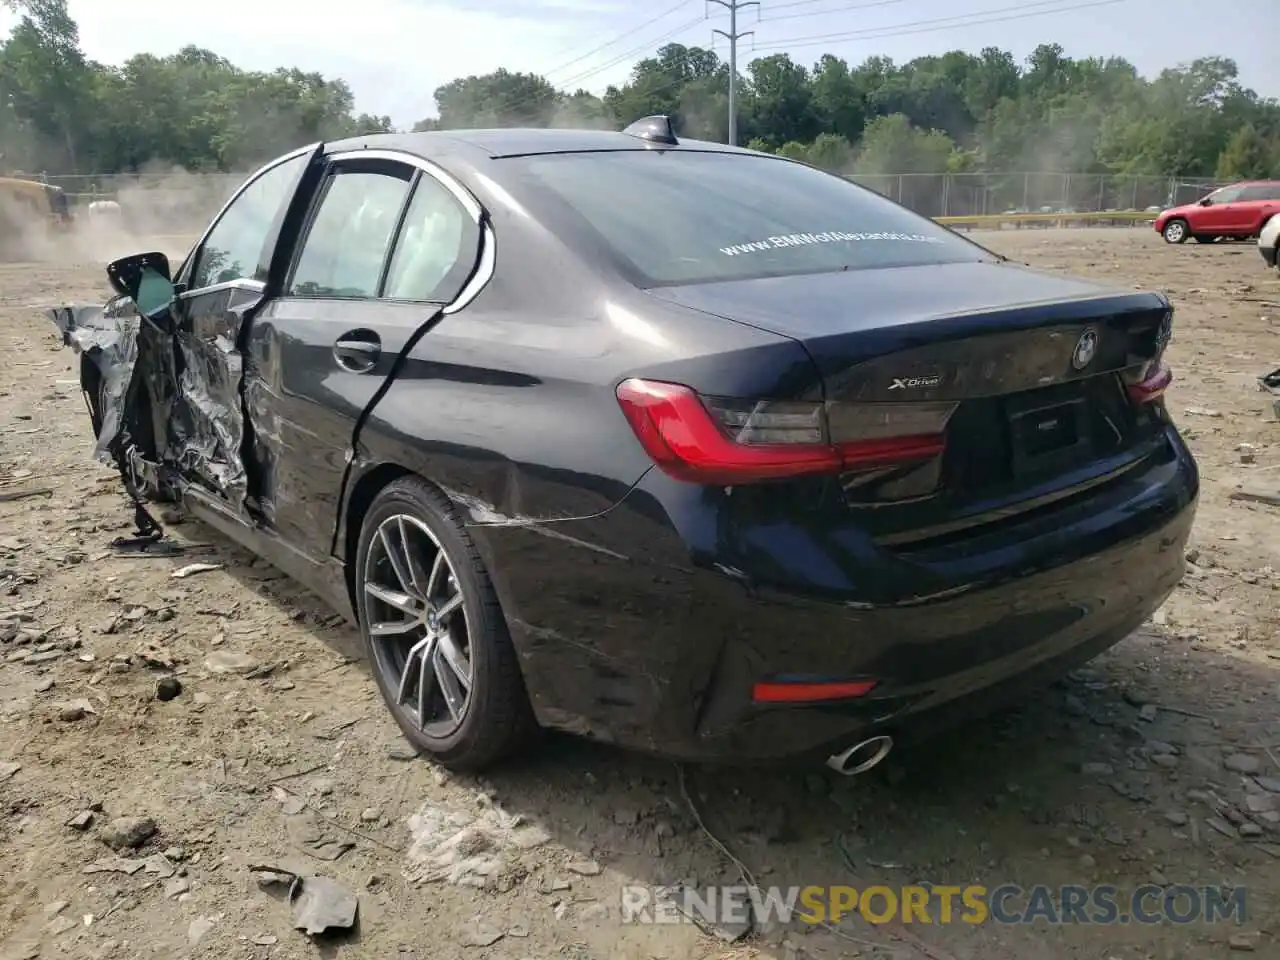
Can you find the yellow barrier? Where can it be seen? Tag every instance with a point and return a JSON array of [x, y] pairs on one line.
[[992, 219]]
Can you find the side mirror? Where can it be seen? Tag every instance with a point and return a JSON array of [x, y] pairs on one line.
[[145, 279], [1206, 202]]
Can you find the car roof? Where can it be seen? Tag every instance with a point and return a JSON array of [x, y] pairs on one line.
[[516, 142]]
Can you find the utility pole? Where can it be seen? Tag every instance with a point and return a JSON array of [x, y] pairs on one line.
[[733, 36]]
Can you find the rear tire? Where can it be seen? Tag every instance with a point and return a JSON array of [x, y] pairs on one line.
[[1175, 231], [434, 632]]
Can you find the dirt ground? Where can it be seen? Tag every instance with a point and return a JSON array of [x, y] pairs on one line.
[[1156, 765]]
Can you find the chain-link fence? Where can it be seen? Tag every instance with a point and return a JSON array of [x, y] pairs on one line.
[[192, 198], [988, 194]]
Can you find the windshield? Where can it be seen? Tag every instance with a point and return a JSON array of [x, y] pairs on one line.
[[679, 217]]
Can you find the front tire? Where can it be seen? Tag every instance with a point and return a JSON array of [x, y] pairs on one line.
[[1175, 231], [434, 632]]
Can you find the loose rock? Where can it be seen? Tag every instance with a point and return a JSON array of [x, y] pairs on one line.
[[73, 710], [1243, 942], [477, 933], [401, 750], [125, 833], [198, 928], [1242, 763]]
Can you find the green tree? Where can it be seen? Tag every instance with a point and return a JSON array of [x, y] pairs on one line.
[[892, 145], [45, 78], [957, 111], [780, 102], [498, 99], [1246, 156], [832, 152], [794, 150]]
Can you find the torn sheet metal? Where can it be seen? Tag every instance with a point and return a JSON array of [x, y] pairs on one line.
[[109, 342], [108, 338], [165, 400]]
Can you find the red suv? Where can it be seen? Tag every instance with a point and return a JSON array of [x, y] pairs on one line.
[[1237, 211]]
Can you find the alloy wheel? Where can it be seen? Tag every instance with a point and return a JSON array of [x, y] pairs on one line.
[[417, 622], [1175, 232]]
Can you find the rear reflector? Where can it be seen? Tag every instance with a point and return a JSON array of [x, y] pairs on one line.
[[1153, 387], [801, 691], [728, 442]]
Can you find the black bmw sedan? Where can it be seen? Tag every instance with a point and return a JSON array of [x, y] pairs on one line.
[[683, 447]]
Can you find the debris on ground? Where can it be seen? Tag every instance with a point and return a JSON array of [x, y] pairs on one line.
[[320, 905], [191, 569]]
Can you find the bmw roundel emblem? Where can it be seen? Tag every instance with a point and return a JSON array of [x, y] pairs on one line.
[[1086, 349]]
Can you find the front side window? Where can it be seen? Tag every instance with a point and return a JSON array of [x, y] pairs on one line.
[[690, 217], [234, 246], [1225, 195], [347, 244], [436, 249]]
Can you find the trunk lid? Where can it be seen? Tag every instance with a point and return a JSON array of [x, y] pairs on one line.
[[1026, 373]]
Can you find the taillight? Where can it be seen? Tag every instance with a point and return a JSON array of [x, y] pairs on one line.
[[711, 440], [804, 690], [1152, 379], [1152, 386]]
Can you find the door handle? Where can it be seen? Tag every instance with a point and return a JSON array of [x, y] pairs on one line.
[[357, 351]]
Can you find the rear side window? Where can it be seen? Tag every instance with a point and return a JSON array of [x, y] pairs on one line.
[[685, 217], [347, 244], [1262, 191], [436, 250]]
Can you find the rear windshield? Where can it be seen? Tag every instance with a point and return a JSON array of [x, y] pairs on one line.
[[686, 217]]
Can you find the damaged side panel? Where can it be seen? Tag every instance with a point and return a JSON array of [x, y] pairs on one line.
[[207, 436], [164, 397]]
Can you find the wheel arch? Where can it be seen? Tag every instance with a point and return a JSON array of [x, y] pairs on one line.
[[365, 490]]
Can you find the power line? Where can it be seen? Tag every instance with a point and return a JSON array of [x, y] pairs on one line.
[[620, 37], [1018, 12], [844, 8], [733, 35], [904, 29], [627, 54]]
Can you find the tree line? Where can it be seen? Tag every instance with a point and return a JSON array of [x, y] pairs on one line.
[[958, 112]]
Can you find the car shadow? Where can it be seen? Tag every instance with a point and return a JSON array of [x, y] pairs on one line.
[[1118, 774]]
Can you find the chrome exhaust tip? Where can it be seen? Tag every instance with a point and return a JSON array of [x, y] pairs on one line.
[[861, 757]]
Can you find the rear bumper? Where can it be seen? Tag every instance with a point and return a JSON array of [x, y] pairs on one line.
[[648, 626]]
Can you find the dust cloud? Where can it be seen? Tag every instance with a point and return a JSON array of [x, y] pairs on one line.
[[111, 216]]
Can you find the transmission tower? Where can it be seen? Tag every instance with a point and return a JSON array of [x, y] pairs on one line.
[[733, 36]]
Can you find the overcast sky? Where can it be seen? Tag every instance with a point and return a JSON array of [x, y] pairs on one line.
[[394, 53]]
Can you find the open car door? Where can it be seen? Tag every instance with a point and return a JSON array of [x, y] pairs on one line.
[[198, 381]]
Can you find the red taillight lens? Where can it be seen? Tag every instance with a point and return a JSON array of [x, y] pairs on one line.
[[1152, 386], [729, 442], [807, 691]]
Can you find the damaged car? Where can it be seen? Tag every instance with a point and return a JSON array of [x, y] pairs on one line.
[[691, 449]]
